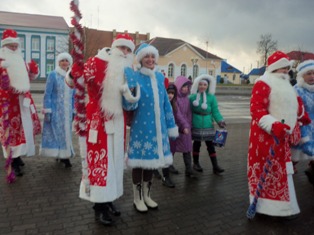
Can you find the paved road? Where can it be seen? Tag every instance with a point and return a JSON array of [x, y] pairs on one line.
[[45, 200]]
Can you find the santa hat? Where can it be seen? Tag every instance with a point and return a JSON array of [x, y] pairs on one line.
[[304, 67], [278, 60], [124, 39], [64, 56], [9, 36], [146, 49]]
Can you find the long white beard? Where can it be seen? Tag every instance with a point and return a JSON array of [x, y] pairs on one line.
[[17, 71], [111, 99]]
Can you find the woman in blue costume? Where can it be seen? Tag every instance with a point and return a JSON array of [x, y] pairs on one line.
[[58, 110], [152, 125]]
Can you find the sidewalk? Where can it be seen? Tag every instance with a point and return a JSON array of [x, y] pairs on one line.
[[45, 200]]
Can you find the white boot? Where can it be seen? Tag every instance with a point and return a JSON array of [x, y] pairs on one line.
[[146, 191], [138, 198]]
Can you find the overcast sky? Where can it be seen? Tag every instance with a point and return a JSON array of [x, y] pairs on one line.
[[232, 28]]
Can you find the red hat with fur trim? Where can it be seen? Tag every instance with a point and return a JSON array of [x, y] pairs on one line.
[[9, 36], [278, 60], [124, 39]]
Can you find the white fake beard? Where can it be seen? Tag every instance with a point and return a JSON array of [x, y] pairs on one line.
[[17, 71], [111, 99]]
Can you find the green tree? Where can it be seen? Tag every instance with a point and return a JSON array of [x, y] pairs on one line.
[[266, 46]]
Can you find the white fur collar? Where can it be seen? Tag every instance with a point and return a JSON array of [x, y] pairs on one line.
[[148, 72], [304, 85], [60, 71]]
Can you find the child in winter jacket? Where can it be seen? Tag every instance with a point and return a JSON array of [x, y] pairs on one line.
[[204, 111]]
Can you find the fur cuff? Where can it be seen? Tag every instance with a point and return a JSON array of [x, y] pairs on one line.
[[173, 132], [47, 111], [128, 94], [69, 79], [266, 123], [304, 139]]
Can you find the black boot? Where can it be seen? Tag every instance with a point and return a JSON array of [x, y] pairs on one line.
[[166, 180], [309, 172], [173, 170], [157, 174], [102, 214], [16, 167], [112, 209], [188, 165], [217, 169], [196, 163], [67, 163], [20, 161]]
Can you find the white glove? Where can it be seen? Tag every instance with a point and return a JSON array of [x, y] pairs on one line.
[[4, 64]]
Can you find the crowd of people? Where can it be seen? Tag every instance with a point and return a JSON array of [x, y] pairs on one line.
[[167, 118]]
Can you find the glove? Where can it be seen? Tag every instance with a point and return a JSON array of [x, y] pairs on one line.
[[76, 71], [308, 148], [130, 77], [280, 129], [305, 119], [33, 67], [47, 117], [222, 124]]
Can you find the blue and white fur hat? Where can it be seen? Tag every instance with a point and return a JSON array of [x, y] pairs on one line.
[[146, 49]]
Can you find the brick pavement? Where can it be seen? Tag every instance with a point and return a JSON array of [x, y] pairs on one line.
[[45, 200]]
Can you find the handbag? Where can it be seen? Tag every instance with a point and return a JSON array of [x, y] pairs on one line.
[[220, 137]]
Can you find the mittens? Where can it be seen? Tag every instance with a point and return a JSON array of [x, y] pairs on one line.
[[280, 129], [129, 77], [33, 67], [76, 71], [305, 119]]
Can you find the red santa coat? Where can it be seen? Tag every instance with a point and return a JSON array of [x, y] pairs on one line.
[[105, 145], [273, 99], [24, 121]]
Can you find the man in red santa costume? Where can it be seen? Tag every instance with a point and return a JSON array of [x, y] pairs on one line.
[[104, 76], [19, 120], [275, 110]]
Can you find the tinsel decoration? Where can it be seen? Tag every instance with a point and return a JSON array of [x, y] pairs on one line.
[[5, 86], [77, 54]]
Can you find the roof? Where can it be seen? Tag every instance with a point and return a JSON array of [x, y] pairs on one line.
[[258, 71], [300, 55], [167, 45], [227, 68], [33, 21]]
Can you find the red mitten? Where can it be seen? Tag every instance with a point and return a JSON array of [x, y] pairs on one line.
[[279, 129], [305, 119], [76, 71], [33, 67]]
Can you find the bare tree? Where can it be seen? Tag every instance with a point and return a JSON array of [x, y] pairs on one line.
[[265, 46]]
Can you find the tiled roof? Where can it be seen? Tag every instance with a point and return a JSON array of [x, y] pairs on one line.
[[227, 68], [167, 45], [33, 21]]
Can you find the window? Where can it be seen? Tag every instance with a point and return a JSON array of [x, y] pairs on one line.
[[170, 70], [195, 71], [50, 44], [183, 70], [35, 43], [22, 44]]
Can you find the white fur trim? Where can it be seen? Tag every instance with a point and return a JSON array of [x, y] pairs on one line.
[[211, 84], [123, 42], [147, 51], [173, 132], [128, 94], [304, 139], [304, 67], [64, 56], [151, 164], [266, 123], [46, 111], [104, 54], [69, 79], [10, 40], [283, 62]]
